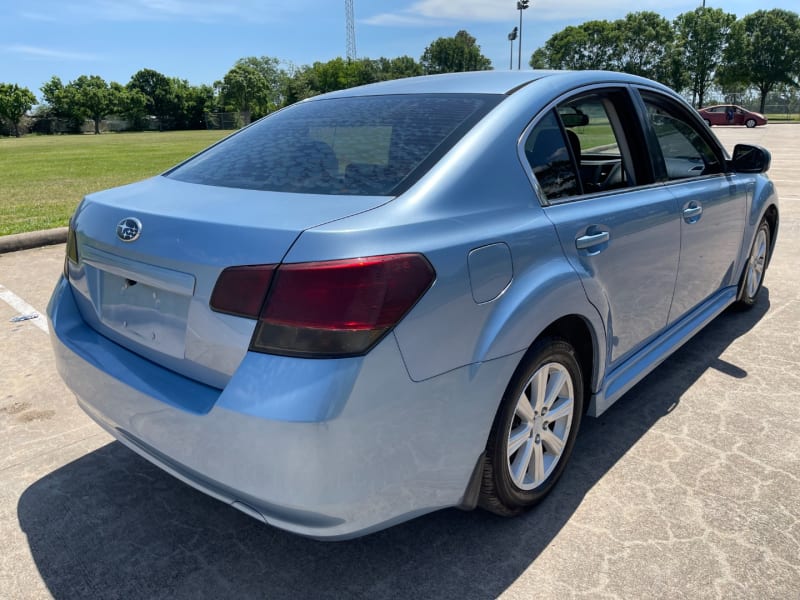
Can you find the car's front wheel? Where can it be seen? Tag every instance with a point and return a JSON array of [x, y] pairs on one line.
[[750, 123], [753, 276], [707, 122], [534, 430]]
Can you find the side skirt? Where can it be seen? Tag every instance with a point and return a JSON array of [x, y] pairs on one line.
[[629, 373]]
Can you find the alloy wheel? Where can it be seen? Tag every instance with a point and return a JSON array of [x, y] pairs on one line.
[[539, 430]]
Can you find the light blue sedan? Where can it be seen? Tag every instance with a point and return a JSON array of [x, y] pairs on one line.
[[397, 298]]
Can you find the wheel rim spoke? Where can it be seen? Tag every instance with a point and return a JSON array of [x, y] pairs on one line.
[[553, 443], [560, 410], [554, 387], [524, 409], [522, 462], [518, 437], [539, 388], [538, 464]]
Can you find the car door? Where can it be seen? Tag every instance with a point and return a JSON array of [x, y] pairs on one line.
[[619, 230], [712, 204], [717, 116]]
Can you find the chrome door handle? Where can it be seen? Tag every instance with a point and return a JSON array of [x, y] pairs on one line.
[[692, 211], [593, 239]]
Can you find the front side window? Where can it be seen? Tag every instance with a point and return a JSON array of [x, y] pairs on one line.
[[369, 145], [686, 153]]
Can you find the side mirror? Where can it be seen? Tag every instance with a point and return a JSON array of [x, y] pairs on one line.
[[751, 159]]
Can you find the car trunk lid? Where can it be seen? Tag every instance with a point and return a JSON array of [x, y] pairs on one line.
[[150, 293]]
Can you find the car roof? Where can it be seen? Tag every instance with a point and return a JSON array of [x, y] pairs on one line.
[[484, 82]]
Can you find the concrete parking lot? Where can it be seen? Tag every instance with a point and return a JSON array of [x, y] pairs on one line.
[[688, 487]]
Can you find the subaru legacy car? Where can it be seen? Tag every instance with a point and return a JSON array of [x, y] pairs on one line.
[[402, 297]]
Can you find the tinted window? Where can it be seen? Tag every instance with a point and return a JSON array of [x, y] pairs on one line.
[[546, 151], [686, 153], [582, 148], [374, 145]]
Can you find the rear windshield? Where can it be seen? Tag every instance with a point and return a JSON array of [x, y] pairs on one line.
[[368, 145]]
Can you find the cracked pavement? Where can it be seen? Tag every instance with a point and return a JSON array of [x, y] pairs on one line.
[[688, 487]]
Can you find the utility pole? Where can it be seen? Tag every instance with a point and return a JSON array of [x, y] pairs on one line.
[[351, 30], [521, 5]]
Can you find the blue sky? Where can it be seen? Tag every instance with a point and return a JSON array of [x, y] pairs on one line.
[[200, 40]]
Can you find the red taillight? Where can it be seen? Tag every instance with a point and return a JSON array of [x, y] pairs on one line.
[[337, 308], [241, 291], [72, 249]]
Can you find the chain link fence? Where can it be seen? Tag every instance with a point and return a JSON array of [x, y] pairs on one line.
[[225, 120]]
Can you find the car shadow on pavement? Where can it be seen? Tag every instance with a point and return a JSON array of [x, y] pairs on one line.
[[110, 525]]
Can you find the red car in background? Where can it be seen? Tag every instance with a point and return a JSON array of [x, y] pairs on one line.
[[730, 114]]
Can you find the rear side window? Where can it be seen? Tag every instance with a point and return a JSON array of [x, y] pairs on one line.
[[369, 145], [549, 158], [583, 146]]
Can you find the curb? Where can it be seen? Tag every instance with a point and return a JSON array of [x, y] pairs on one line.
[[33, 239]]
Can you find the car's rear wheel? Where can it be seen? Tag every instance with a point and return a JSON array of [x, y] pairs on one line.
[[750, 123], [534, 430], [753, 276]]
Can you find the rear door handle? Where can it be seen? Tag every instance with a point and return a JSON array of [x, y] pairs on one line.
[[692, 212], [592, 239]]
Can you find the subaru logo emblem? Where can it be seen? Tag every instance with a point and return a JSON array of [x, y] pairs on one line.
[[129, 229]]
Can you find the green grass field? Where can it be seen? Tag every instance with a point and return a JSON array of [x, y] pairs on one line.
[[783, 117], [42, 178]]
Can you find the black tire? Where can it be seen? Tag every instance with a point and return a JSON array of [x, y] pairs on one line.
[[750, 123], [707, 122], [756, 266], [501, 493]]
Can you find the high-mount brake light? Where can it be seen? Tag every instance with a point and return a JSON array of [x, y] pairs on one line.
[[328, 308]]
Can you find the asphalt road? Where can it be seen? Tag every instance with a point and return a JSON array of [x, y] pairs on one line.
[[688, 487]]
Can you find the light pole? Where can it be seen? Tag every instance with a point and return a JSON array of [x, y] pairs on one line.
[[511, 37], [521, 5]]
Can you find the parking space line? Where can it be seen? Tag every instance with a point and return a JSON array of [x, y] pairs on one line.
[[22, 307]]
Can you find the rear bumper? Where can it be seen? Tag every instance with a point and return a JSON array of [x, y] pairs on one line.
[[324, 448]]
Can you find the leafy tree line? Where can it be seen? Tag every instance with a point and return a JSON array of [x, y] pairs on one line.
[[697, 50], [253, 87]]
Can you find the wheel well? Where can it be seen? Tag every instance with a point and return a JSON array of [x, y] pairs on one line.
[[576, 331], [771, 217]]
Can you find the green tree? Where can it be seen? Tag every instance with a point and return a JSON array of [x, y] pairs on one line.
[[195, 102], [339, 74], [90, 97], [398, 68], [591, 45], [55, 98], [253, 86], [702, 35], [455, 54], [159, 93], [15, 101], [60, 103], [764, 52], [646, 45], [131, 104]]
